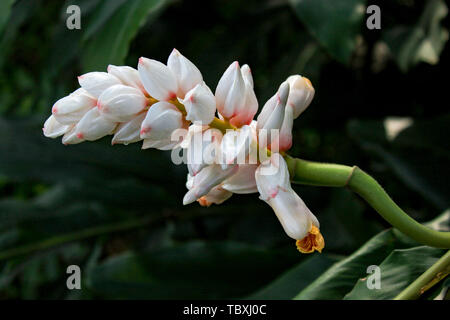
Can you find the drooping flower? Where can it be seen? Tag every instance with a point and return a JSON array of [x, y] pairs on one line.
[[272, 181]]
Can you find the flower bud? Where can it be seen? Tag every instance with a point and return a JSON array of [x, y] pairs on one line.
[[200, 104], [272, 181], [243, 181], [286, 130], [70, 137], [245, 115], [236, 146], [72, 108], [186, 73], [158, 80], [54, 129], [127, 75], [300, 95], [97, 82], [207, 179], [161, 120], [230, 92], [202, 147], [121, 103], [93, 126], [272, 116], [129, 132], [217, 195]]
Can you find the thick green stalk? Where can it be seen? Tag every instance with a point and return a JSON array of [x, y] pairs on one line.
[[429, 278], [333, 175]]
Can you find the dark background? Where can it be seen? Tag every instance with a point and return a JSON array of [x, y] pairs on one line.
[[117, 211]]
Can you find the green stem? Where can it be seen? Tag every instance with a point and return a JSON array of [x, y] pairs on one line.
[[433, 275], [333, 175]]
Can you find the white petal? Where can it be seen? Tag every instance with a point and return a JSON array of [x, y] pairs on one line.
[[217, 195], [200, 104], [247, 74], [71, 109], [243, 181], [286, 130], [97, 82], [53, 128], [235, 146], [202, 148], [129, 132], [93, 126], [300, 95], [162, 119], [158, 79], [207, 179], [121, 103], [246, 115], [273, 118], [230, 92], [271, 176], [70, 137], [186, 73], [127, 75], [293, 214]]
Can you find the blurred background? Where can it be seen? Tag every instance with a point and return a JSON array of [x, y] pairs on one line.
[[381, 103]]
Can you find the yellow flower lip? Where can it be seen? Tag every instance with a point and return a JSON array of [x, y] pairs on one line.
[[312, 242]]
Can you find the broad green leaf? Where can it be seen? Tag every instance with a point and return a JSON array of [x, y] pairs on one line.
[[418, 154], [289, 283], [26, 154], [110, 44], [100, 17], [5, 10], [336, 25], [338, 280], [398, 270], [192, 270], [422, 42]]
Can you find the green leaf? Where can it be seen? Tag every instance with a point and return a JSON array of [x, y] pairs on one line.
[[5, 10], [397, 271], [110, 44], [336, 26], [422, 42], [193, 270], [289, 283], [338, 280], [418, 154]]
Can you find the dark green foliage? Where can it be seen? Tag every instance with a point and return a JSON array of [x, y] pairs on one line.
[[117, 211]]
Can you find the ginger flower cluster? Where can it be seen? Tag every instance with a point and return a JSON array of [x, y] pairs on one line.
[[170, 107]]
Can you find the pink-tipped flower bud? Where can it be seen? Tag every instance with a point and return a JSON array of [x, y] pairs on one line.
[[200, 104], [129, 132], [72, 108], [244, 116], [94, 126], [162, 119], [53, 129], [158, 80], [128, 76], [97, 82], [121, 103], [230, 92], [186, 73]]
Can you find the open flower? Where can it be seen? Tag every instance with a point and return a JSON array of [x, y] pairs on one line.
[[272, 181]]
